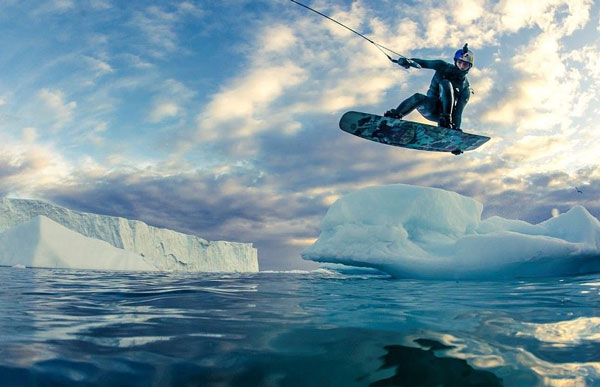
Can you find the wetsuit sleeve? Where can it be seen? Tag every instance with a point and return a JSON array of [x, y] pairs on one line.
[[430, 64]]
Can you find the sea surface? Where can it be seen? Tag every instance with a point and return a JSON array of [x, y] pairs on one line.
[[89, 328]]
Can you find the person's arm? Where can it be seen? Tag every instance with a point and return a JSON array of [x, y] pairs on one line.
[[421, 63], [435, 64]]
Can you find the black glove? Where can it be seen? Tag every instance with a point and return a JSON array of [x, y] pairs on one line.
[[404, 62]]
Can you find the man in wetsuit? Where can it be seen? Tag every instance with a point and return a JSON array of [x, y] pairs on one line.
[[448, 93]]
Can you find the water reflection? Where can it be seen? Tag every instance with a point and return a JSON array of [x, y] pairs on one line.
[[424, 367]]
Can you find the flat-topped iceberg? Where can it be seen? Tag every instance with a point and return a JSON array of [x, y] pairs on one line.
[[42, 242], [163, 249], [429, 233]]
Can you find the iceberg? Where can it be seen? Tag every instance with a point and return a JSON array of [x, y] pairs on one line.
[[162, 248], [42, 242], [429, 233]]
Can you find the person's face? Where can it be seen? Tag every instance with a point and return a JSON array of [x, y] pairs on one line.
[[462, 65]]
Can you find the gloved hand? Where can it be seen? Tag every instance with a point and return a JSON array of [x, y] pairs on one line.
[[404, 62]]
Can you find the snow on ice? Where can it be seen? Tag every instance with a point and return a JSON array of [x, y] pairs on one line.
[[429, 233]]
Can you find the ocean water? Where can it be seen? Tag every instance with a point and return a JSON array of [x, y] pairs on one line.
[[84, 328]]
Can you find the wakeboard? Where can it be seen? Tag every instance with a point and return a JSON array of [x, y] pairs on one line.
[[408, 134]]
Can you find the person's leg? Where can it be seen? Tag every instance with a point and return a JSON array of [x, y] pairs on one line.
[[447, 103], [407, 106]]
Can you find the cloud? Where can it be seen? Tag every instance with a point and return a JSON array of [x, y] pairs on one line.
[[164, 110], [468, 11], [546, 96], [560, 17], [101, 4], [278, 38], [55, 105], [53, 7], [244, 103], [159, 24], [95, 133], [98, 67], [527, 149], [27, 169], [482, 82]]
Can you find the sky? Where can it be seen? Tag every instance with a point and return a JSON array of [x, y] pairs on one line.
[[220, 119]]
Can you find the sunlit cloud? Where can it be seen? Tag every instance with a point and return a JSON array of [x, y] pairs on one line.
[[27, 169], [557, 16], [244, 104]]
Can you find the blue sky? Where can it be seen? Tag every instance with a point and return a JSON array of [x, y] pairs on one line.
[[220, 118]]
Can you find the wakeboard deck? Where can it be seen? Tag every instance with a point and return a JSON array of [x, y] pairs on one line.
[[408, 134]]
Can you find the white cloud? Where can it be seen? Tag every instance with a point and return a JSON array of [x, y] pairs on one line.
[[247, 99], [98, 66], [136, 61], [164, 110], [349, 92], [278, 38], [159, 26], [177, 90], [438, 28], [561, 17], [467, 11], [55, 104], [172, 96]]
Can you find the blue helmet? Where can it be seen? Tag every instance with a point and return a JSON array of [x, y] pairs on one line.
[[465, 55]]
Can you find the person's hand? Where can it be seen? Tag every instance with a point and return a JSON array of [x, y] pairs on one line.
[[405, 62]]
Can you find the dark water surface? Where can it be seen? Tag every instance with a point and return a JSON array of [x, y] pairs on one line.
[[81, 328]]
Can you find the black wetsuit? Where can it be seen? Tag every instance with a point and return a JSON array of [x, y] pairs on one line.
[[448, 93]]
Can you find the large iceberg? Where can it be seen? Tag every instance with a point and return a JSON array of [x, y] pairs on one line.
[[429, 233], [42, 242], [162, 248]]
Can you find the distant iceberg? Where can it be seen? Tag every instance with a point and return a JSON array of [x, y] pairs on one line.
[[429, 233], [161, 248], [42, 242]]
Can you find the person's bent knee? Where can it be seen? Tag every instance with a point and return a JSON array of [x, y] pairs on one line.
[[420, 98]]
